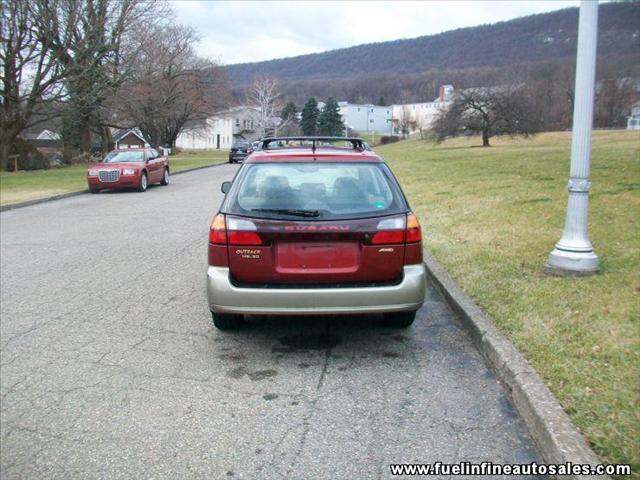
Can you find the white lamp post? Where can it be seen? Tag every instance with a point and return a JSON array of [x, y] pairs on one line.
[[573, 254]]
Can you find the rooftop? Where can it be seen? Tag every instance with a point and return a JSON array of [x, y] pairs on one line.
[[321, 154]]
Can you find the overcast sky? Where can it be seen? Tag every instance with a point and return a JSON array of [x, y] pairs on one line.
[[248, 31]]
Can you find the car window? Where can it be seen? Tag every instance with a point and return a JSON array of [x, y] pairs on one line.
[[334, 190], [154, 153], [119, 156]]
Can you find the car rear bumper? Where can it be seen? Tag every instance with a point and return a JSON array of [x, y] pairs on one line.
[[224, 297]]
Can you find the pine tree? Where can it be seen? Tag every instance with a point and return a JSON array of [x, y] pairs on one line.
[[310, 114], [330, 120], [289, 113]]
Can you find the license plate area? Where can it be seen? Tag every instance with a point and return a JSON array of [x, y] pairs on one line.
[[317, 257]]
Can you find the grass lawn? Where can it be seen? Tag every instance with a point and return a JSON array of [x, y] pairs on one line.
[[492, 215], [372, 139], [21, 186]]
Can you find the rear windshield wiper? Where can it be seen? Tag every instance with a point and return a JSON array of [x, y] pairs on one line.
[[286, 211]]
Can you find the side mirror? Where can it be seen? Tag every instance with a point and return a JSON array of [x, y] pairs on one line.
[[226, 186]]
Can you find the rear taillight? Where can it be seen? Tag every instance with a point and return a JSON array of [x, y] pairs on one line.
[[398, 230], [218, 231], [391, 236], [242, 232], [414, 232], [390, 230], [218, 242]]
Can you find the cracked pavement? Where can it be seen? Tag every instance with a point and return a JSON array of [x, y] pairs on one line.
[[110, 367]]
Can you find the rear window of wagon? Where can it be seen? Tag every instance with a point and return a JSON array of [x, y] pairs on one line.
[[322, 190]]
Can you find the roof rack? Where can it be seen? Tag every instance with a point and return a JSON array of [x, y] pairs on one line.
[[357, 143]]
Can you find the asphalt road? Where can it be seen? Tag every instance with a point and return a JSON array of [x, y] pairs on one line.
[[110, 367]]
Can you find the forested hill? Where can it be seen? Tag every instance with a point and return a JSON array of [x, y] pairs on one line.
[[535, 38]]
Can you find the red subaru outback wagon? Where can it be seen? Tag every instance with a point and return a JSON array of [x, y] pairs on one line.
[[310, 227]]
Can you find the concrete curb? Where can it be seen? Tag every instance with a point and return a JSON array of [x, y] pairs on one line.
[[556, 437], [35, 201]]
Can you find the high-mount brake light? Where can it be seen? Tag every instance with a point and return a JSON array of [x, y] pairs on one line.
[[414, 232], [218, 231]]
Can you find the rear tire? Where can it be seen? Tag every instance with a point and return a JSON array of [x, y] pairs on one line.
[[227, 321], [399, 319], [165, 177], [144, 182]]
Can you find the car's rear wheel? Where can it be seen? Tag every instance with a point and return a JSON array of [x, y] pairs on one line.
[[144, 182], [165, 178], [227, 321], [399, 319]]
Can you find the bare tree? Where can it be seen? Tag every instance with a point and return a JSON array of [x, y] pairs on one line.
[[108, 40], [489, 112], [264, 94], [34, 38], [172, 87], [405, 121], [613, 102], [422, 126]]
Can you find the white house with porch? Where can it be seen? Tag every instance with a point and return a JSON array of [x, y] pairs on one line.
[[222, 130]]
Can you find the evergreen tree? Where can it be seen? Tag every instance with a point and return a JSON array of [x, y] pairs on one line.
[[289, 113], [310, 114], [381, 100], [330, 120]]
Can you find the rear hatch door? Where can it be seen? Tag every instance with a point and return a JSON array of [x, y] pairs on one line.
[[298, 252]]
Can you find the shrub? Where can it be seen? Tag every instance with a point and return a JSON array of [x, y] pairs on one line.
[[388, 139], [29, 157], [83, 158]]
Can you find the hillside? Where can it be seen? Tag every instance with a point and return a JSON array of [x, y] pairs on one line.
[[538, 38]]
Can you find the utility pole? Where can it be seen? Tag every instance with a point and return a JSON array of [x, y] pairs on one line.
[[573, 254]]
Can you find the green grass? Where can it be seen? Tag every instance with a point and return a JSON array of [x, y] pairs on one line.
[[492, 215], [21, 186], [372, 139]]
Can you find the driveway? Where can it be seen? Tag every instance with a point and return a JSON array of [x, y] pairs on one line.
[[110, 367]]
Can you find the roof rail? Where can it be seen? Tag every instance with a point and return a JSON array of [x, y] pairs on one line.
[[357, 143]]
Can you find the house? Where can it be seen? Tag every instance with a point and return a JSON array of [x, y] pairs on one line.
[[48, 135], [633, 121], [366, 118], [129, 138], [412, 117], [222, 130]]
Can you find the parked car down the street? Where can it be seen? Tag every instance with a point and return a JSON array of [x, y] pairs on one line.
[[306, 230], [255, 145], [239, 151], [129, 168]]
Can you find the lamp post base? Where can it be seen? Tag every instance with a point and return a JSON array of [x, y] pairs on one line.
[[562, 263]]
